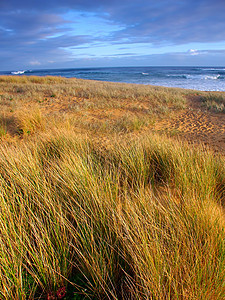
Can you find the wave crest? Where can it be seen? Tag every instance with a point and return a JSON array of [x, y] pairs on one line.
[[18, 72]]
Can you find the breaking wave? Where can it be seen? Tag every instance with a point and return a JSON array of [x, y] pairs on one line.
[[204, 77], [18, 72]]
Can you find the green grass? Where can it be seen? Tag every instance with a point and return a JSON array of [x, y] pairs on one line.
[[2, 130], [3, 126]]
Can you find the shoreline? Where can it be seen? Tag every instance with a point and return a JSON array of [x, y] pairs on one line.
[[198, 78], [116, 82]]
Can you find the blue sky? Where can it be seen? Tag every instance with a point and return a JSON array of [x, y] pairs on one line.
[[100, 33]]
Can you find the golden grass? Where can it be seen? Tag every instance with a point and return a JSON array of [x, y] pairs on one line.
[[214, 101], [91, 207], [33, 104]]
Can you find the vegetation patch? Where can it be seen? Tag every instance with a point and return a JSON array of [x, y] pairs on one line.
[[29, 121], [97, 223], [214, 102], [93, 205]]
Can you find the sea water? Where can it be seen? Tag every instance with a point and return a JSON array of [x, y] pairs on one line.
[[198, 78]]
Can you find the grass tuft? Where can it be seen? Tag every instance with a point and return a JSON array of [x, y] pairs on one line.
[[214, 102], [29, 122]]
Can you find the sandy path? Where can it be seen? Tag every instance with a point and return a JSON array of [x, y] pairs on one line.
[[197, 125]]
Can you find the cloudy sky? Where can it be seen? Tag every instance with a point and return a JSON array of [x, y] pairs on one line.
[[37, 34]]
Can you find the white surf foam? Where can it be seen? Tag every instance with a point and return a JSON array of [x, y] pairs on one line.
[[213, 69], [203, 77], [212, 77], [18, 72]]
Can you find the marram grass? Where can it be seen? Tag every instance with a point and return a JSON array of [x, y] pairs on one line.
[[140, 220], [95, 206]]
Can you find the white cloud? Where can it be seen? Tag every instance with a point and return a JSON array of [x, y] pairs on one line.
[[35, 63], [193, 52]]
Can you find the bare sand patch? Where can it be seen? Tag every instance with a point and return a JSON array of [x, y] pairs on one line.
[[196, 125]]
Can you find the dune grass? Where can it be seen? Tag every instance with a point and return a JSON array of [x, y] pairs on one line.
[[137, 218], [30, 105], [214, 101], [142, 220]]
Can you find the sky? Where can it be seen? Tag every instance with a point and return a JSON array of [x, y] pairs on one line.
[[40, 34]]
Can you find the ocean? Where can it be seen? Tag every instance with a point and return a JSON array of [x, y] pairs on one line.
[[198, 78]]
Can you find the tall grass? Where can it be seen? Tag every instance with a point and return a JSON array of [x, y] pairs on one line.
[[139, 220], [129, 218], [29, 121]]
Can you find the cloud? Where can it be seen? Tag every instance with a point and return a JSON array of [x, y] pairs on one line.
[[171, 21], [35, 63], [45, 31], [193, 52], [25, 25]]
